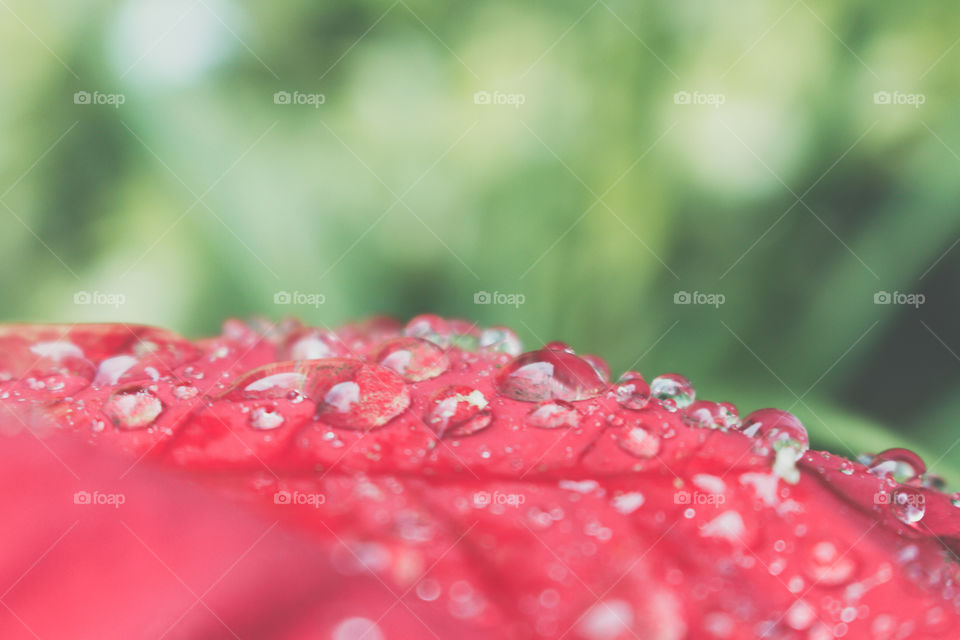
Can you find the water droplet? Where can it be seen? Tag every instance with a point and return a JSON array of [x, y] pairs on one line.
[[265, 418], [350, 394], [955, 499], [429, 327], [133, 408], [639, 442], [902, 465], [458, 411], [549, 374], [712, 415], [777, 428], [554, 414], [311, 344], [632, 391], [908, 505], [675, 387], [556, 345], [501, 339], [111, 369], [413, 358]]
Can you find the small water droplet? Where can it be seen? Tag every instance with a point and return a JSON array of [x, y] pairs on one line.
[[908, 505], [413, 358], [133, 408], [675, 387], [712, 415], [632, 391], [185, 392], [458, 411], [311, 344], [777, 428], [501, 339], [549, 374], [554, 414]]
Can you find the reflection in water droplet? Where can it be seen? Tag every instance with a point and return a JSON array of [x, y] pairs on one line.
[[133, 408], [549, 374], [553, 414], [458, 411], [675, 387]]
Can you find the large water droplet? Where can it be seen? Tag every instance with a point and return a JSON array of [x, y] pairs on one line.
[[458, 411], [599, 365], [354, 395], [632, 391], [501, 339], [413, 358], [674, 387], [133, 408], [902, 465], [554, 414], [908, 505], [270, 382], [549, 374]]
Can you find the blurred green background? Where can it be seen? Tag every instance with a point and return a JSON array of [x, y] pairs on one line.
[[195, 158]]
